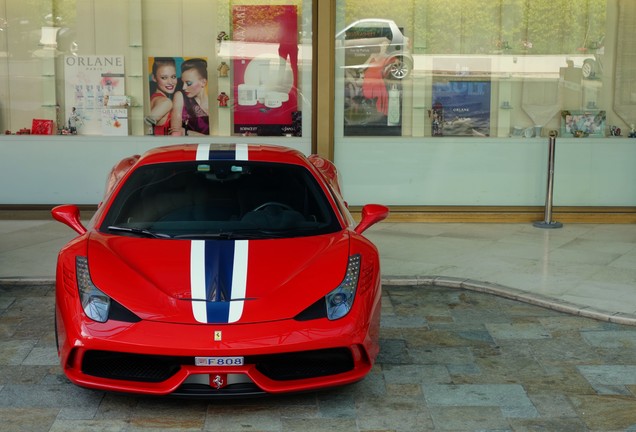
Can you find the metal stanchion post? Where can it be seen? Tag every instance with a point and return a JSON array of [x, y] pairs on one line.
[[548, 222]]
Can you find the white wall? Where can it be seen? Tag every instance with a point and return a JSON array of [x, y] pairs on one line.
[[509, 172], [391, 170], [73, 169], [483, 171]]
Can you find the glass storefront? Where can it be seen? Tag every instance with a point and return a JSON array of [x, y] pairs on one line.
[[452, 103], [85, 83], [422, 103], [156, 67], [471, 68]]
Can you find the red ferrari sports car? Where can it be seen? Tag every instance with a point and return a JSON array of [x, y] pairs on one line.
[[218, 270]]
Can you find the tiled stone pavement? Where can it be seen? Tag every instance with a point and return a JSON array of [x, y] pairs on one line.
[[451, 360]]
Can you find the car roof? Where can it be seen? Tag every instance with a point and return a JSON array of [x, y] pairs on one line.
[[392, 24], [256, 152], [367, 20]]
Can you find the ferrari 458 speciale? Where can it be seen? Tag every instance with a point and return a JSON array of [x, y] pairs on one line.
[[218, 270]]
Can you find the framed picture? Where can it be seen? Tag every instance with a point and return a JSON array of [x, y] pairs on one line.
[[461, 107], [265, 69], [583, 123], [88, 83]]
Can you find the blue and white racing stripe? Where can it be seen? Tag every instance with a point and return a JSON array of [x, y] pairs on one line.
[[218, 279], [218, 268], [207, 152]]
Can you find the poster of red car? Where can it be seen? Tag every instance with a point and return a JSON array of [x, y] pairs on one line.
[[265, 70]]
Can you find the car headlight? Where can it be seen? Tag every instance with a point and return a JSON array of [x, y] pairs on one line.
[[95, 303], [340, 300]]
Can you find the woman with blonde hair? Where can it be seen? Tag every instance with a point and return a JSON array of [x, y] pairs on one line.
[[190, 109]]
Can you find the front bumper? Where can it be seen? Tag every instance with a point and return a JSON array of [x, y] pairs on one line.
[[158, 358]]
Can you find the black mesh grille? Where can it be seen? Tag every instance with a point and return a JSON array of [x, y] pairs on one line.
[[205, 391], [280, 367], [307, 364], [130, 367]]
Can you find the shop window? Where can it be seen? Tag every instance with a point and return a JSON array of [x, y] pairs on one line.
[[471, 68], [160, 67]]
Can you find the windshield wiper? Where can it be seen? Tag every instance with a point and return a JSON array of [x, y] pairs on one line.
[[247, 234], [225, 235], [138, 231]]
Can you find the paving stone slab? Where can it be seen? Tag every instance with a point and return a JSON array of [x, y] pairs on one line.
[[450, 360]]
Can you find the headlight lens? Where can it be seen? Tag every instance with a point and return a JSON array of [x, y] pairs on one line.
[[340, 300], [95, 303]]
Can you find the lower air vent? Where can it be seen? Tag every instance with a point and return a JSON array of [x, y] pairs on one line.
[[130, 367], [302, 365]]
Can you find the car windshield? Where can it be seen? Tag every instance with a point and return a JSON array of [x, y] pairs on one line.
[[220, 199]]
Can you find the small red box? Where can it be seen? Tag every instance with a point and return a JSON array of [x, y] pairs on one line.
[[42, 127]]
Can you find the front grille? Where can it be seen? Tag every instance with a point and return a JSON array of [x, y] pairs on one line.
[[278, 367], [131, 367], [306, 364], [205, 391]]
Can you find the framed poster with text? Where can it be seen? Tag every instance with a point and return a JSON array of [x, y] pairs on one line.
[[89, 82], [461, 107], [264, 50], [372, 50]]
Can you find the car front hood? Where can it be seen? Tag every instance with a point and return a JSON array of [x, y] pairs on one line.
[[217, 281]]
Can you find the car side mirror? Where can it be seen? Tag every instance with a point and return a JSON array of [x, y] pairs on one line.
[[69, 215], [371, 214]]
